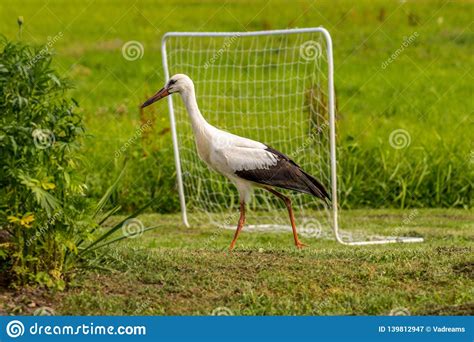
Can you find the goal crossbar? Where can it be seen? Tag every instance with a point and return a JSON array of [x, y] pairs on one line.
[[332, 125]]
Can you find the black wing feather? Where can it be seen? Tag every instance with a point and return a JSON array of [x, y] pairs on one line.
[[285, 174]]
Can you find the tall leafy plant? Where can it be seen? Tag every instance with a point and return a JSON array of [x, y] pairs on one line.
[[40, 192], [48, 227]]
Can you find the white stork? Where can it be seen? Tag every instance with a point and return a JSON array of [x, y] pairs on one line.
[[247, 163]]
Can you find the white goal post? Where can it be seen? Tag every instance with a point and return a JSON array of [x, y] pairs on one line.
[[276, 87]]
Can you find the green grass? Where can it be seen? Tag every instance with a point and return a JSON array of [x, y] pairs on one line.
[[425, 91], [188, 271]]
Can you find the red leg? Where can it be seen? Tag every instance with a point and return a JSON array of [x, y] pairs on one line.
[[287, 201], [239, 225]]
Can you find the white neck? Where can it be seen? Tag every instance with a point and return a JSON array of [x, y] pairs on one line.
[[202, 130], [197, 120]]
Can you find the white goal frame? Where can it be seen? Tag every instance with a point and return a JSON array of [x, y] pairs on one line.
[[332, 126]]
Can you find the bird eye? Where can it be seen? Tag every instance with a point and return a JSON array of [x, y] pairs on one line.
[[171, 82]]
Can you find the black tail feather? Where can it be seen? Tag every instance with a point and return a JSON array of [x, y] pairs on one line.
[[317, 188]]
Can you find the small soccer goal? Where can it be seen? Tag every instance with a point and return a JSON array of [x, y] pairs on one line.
[[276, 87]]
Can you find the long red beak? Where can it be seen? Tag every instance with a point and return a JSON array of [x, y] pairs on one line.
[[163, 92]]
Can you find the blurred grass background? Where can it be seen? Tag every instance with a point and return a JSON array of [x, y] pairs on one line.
[[426, 91]]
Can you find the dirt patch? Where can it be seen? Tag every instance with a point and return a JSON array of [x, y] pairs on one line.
[[26, 301], [465, 268]]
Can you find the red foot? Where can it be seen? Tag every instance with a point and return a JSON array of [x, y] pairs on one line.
[[300, 245]]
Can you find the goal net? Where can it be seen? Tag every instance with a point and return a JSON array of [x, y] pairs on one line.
[[270, 88], [273, 87]]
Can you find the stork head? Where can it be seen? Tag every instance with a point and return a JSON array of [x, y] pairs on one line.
[[178, 83]]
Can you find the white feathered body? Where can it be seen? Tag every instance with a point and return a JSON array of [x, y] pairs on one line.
[[227, 153]]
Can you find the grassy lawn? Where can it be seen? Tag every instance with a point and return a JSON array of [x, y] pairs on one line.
[[188, 271]]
